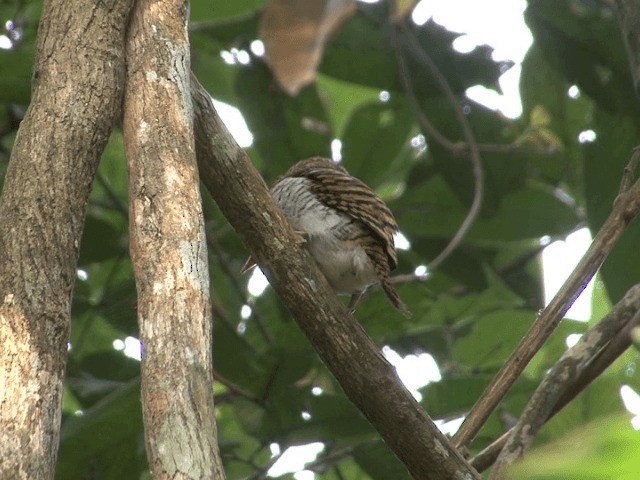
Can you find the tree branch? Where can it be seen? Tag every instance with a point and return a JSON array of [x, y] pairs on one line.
[[558, 380], [625, 208], [367, 378], [471, 145], [598, 364]]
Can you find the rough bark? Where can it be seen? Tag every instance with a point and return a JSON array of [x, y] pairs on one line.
[[366, 377], [168, 247], [77, 94]]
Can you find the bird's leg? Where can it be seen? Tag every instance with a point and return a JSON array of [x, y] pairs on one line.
[[354, 301]]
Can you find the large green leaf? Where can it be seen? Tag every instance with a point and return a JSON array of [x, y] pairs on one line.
[[376, 142], [379, 463], [235, 359], [605, 160], [343, 98], [362, 52], [332, 417], [584, 43], [15, 81], [100, 241], [285, 129], [453, 396], [493, 338], [545, 91], [433, 210]]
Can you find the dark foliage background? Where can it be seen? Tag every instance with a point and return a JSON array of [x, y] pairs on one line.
[[471, 311]]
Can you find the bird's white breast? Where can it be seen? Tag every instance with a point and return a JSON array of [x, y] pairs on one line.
[[330, 235]]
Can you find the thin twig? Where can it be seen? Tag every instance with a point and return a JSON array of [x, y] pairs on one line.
[[602, 360], [235, 389], [322, 462], [557, 381], [628, 174], [261, 472], [626, 207], [116, 203], [432, 132]]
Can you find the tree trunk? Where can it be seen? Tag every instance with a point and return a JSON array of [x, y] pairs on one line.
[[168, 247], [77, 94]]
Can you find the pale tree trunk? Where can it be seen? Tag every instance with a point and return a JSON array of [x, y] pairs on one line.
[[168, 247], [77, 95]]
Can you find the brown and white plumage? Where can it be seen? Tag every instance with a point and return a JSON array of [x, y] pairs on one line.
[[347, 227]]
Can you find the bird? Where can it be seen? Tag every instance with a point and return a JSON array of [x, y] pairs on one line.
[[345, 225]]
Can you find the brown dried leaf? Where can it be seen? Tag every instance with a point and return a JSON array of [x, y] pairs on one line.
[[295, 32]]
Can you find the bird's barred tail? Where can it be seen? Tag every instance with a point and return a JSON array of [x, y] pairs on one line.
[[394, 297]]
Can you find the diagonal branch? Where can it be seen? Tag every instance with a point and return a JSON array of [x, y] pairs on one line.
[[625, 208], [367, 378], [616, 346], [557, 381]]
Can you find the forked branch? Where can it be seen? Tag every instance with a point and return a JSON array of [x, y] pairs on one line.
[[616, 346], [625, 208], [557, 382]]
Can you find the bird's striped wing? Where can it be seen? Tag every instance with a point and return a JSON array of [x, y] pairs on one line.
[[337, 189]]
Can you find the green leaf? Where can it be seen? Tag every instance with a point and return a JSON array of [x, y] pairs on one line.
[[376, 141], [379, 463], [100, 241], [583, 42], [529, 213], [362, 52], [236, 360], [285, 129], [493, 338], [331, 417], [543, 87], [343, 98], [605, 160], [227, 31], [601, 450], [453, 396], [15, 81], [106, 440], [433, 210]]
